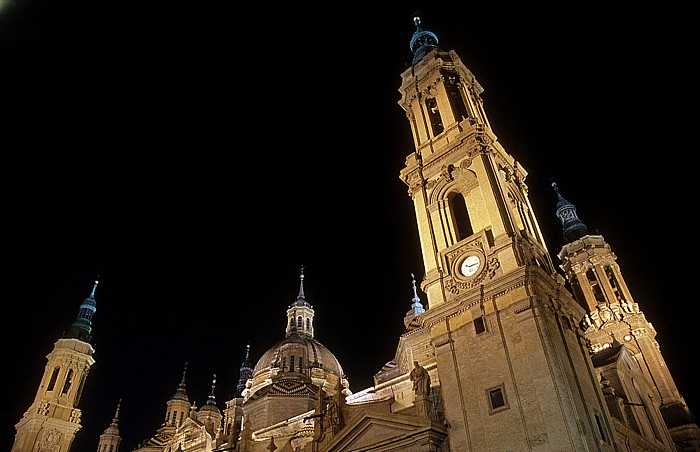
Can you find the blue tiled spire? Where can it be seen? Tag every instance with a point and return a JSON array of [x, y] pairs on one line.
[[573, 228], [422, 41], [82, 325]]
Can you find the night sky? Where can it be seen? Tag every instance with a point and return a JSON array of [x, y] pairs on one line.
[[195, 155]]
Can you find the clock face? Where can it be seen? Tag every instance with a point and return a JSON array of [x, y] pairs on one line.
[[470, 265]]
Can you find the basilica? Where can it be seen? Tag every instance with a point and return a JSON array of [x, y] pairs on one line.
[[509, 351]]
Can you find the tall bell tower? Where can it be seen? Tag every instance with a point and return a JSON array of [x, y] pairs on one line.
[[471, 201], [614, 318], [53, 419], [499, 331]]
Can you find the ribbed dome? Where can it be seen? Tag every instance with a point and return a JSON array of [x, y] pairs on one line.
[[298, 356], [313, 353]]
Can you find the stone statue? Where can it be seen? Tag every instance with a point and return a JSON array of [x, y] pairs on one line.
[[421, 380]]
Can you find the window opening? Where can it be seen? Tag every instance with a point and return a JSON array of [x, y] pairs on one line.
[[54, 377], [460, 215], [595, 286], [434, 115], [496, 398], [454, 94], [601, 430], [479, 325], [613, 282], [69, 380]]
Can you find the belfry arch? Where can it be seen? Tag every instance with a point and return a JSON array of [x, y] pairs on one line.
[[451, 199]]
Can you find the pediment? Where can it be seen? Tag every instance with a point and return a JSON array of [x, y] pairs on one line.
[[374, 430], [190, 423]]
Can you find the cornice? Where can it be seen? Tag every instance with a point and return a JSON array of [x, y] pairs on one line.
[[531, 275]]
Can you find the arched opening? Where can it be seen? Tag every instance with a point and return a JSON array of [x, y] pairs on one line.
[[460, 215], [459, 108], [69, 380], [434, 115], [54, 377]]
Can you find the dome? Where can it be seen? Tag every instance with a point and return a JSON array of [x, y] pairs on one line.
[[298, 356], [285, 356]]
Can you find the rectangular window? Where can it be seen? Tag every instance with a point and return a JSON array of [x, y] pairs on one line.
[[601, 429], [479, 325], [497, 399]]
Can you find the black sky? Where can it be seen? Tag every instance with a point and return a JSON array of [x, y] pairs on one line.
[[196, 155]]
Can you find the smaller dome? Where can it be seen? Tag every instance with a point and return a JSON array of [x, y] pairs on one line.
[[209, 408]]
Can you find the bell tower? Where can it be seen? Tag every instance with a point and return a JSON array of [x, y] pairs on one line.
[[614, 318], [53, 419], [499, 331], [470, 198]]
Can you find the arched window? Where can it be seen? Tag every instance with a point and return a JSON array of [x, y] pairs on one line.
[[459, 109], [460, 215], [54, 376], [299, 322], [434, 115], [69, 380], [595, 285], [308, 324]]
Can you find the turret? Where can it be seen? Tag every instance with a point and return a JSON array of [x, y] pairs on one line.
[[110, 439]]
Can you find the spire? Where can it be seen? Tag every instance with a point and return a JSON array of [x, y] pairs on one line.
[[212, 398], [114, 426], [422, 41], [115, 420], [110, 438], [181, 393], [300, 314], [574, 228], [82, 325], [246, 372], [210, 406], [301, 298], [416, 307]]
